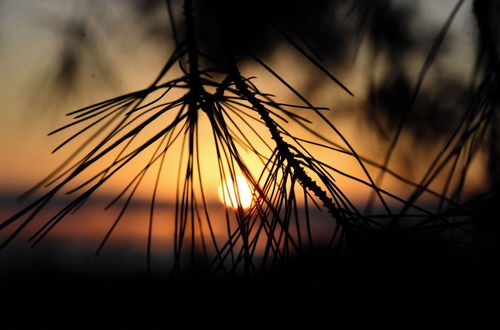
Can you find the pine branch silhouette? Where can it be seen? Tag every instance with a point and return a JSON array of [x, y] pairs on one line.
[[165, 117]]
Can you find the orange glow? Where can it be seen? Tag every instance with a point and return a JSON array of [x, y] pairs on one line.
[[234, 194]]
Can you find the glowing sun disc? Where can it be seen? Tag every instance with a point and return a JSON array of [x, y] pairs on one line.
[[232, 194]]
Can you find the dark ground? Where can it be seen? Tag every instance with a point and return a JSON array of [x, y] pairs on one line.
[[375, 287]]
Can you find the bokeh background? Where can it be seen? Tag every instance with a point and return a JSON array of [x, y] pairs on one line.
[[57, 56], [61, 55]]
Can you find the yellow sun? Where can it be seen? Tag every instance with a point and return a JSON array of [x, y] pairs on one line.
[[234, 194]]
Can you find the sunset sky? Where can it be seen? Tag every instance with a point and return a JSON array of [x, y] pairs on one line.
[[29, 45], [212, 192]]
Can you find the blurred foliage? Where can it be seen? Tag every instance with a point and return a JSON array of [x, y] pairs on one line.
[[220, 35], [330, 32]]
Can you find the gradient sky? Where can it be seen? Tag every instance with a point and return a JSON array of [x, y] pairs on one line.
[[28, 48], [29, 110]]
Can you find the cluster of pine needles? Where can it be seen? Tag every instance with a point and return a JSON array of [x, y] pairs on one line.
[[164, 119]]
